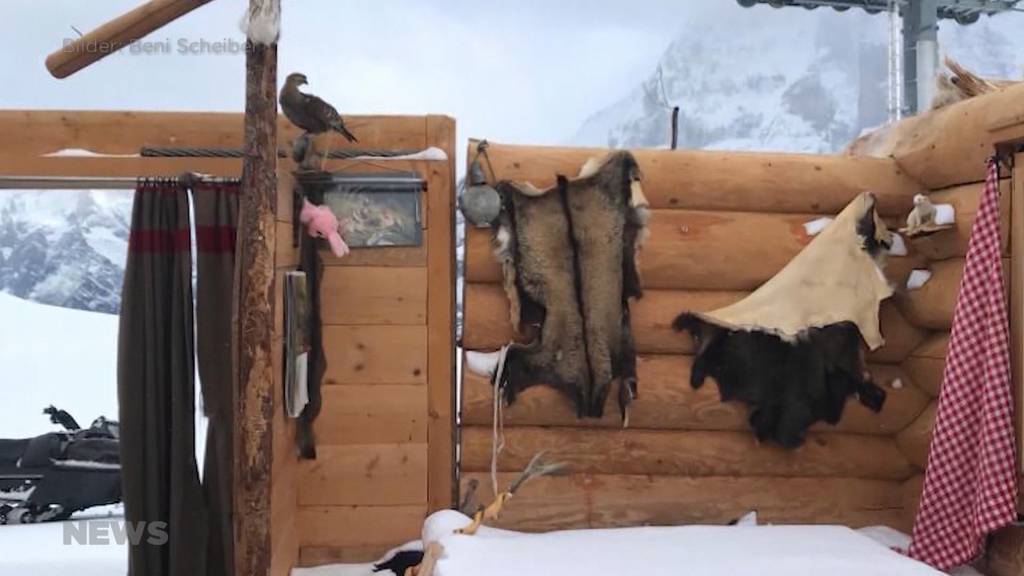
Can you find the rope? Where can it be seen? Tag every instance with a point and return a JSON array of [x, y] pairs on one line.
[[497, 419]]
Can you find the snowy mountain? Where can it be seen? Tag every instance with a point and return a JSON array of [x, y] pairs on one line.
[[790, 80], [65, 248]]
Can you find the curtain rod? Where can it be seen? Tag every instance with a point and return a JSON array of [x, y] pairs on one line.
[[88, 182]]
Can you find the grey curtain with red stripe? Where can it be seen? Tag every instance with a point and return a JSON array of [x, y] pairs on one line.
[[157, 352], [216, 213]]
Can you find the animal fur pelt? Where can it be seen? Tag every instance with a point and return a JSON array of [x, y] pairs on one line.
[[792, 349], [568, 257]]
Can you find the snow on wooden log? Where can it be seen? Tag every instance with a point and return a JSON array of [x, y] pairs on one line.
[[487, 326], [914, 441], [698, 250], [927, 362], [601, 500], [952, 243], [667, 402], [949, 146], [717, 180], [693, 453], [931, 306]]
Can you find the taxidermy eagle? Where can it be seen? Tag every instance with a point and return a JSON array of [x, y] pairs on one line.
[[792, 348], [569, 267], [310, 112]]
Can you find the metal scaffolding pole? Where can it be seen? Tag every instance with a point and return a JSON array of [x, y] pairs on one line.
[[920, 53]]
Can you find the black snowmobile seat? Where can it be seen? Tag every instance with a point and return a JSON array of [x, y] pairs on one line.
[[41, 450], [11, 451]]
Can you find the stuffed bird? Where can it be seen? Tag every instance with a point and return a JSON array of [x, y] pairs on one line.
[[309, 112], [321, 222]]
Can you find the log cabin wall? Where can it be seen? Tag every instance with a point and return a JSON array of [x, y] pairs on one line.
[[946, 150], [722, 223], [385, 443]]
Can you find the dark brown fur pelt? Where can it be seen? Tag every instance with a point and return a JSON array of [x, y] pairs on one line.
[[568, 257], [788, 385]]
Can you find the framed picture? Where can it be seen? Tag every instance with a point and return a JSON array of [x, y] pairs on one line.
[[375, 208]]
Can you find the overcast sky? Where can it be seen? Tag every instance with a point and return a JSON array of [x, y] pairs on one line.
[[524, 70]]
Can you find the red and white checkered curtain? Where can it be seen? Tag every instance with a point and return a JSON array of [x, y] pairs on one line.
[[970, 484]]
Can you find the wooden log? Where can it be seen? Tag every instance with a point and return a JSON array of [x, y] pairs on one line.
[[911, 499], [931, 306], [42, 132], [696, 250], [730, 181], [441, 385], [690, 453], [952, 243], [359, 526], [927, 362], [916, 439], [667, 402], [1005, 555], [116, 34], [603, 501], [367, 474], [691, 250], [949, 146], [253, 329], [487, 326]]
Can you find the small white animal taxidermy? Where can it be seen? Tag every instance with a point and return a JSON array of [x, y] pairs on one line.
[[923, 219], [261, 22]]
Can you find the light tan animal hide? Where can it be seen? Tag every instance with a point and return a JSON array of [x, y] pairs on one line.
[[833, 280]]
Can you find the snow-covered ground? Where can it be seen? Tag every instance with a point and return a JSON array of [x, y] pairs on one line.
[[40, 550], [59, 356]]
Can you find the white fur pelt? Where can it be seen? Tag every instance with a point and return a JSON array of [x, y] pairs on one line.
[[261, 22]]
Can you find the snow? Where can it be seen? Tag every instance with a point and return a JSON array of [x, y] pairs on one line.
[[917, 278], [945, 214], [653, 551], [431, 153], [899, 247], [57, 356], [39, 550], [814, 227], [482, 363], [83, 153]]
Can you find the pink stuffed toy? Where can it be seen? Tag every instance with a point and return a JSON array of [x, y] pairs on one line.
[[321, 222]]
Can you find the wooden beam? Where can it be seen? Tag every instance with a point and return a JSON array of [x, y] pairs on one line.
[[487, 325], [727, 181], [116, 34], [667, 402], [442, 490], [613, 500], [255, 315], [116, 167], [43, 132], [695, 453], [702, 250]]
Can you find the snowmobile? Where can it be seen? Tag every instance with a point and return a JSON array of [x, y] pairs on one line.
[[54, 475]]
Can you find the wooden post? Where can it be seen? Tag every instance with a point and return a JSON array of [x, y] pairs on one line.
[[254, 315]]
